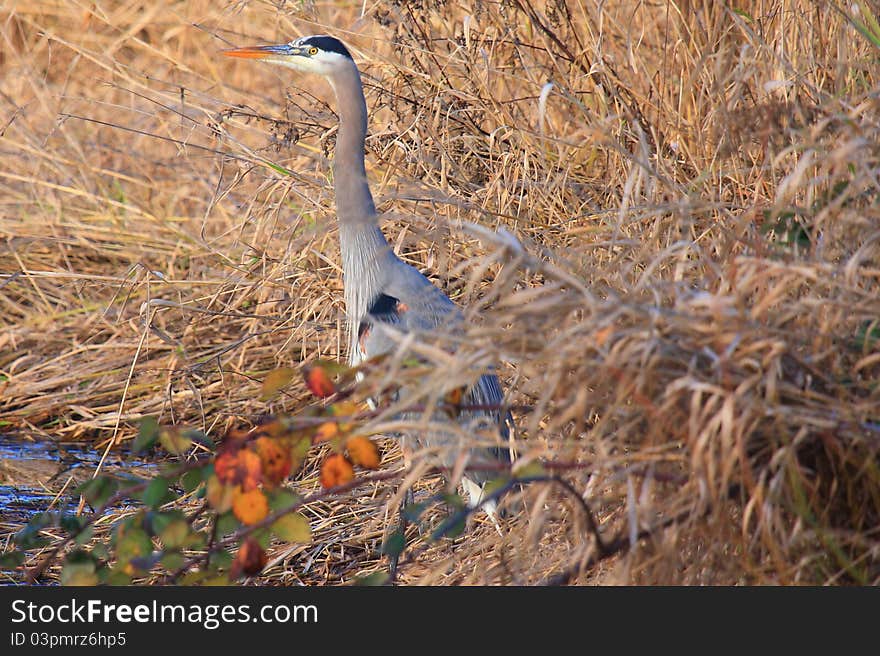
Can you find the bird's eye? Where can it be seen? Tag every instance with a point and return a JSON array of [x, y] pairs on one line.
[[313, 51]]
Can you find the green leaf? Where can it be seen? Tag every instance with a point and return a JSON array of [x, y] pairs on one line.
[[221, 559], [453, 500], [263, 537], [333, 367], [282, 499], [114, 576], [96, 491], [175, 440], [374, 578], [277, 167], [156, 493], [870, 19], [71, 523], [29, 537], [195, 540], [100, 551], [127, 481], [275, 381], [155, 522], [452, 526], [293, 527], [449, 530], [175, 534], [173, 561], [492, 486], [140, 519], [85, 535], [192, 479], [395, 544], [863, 28], [867, 335], [532, 469], [11, 560], [131, 544], [227, 523], [197, 436], [299, 451], [219, 495], [220, 580], [193, 577], [79, 569], [79, 573], [787, 228], [30, 540], [413, 511], [79, 556], [147, 435]]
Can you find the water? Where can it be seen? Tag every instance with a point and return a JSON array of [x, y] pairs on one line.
[[32, 473]]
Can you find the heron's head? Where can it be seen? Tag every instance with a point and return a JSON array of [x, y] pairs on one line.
[[321, 54]]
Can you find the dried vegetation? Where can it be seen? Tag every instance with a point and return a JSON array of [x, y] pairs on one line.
[[662, 218]]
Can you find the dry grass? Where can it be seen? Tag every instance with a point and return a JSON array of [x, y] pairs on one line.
[[693, 317]]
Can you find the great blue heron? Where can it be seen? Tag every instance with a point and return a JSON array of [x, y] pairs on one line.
[[381, 289]]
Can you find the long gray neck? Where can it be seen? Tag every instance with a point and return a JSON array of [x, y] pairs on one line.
[[366, 256], [354, 203]]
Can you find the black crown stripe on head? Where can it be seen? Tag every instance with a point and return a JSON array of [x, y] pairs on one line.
[[327, 44]]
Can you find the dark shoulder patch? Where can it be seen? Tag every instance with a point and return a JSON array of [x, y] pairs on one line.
[[383, 304], [327, 44]]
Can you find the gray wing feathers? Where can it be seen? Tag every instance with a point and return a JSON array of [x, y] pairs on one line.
[[410, 302]]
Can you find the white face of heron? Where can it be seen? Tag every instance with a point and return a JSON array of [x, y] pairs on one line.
[[322, 63], [320, 54], [323, 55]]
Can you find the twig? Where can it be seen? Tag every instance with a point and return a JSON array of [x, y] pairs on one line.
[[622, 543]]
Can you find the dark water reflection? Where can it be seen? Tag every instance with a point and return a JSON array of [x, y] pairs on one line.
[[32, 473]]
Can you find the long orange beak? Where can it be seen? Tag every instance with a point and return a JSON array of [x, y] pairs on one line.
[[262, 52]]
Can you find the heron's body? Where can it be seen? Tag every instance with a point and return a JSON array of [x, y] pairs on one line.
[[380, 289]]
